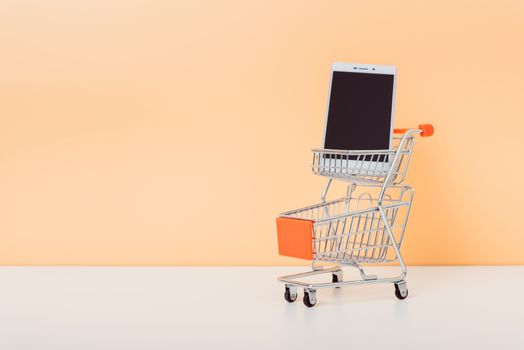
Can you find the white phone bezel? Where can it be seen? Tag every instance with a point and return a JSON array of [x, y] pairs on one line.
[[364, 69]]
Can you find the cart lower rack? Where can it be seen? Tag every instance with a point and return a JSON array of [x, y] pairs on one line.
[[365, 226]]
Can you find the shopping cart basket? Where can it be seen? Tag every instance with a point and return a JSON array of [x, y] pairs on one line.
[[365, 226]]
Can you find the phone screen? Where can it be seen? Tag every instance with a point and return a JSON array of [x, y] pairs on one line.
[[359, 114]]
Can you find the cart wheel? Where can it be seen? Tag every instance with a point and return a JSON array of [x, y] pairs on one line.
[[401, 290], [310, 298], [336, 277], [289, 295]]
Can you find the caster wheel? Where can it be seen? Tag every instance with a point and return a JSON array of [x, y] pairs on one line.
[[336, 277], [290, 296], [310, 299], [401, 291]]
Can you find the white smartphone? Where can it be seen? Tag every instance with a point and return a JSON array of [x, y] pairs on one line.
[[359, 115]]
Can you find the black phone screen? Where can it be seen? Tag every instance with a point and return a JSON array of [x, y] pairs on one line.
[[359, 114]]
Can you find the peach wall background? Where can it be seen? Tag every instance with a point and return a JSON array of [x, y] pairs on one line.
[[173, 132]]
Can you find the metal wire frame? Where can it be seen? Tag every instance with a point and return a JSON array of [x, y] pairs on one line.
[[352, 236]]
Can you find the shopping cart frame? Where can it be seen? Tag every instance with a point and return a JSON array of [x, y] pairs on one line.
[[392, 179]]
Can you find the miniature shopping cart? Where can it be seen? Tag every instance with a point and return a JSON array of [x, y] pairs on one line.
[[365, 226]]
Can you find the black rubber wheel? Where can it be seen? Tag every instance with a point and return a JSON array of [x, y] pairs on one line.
[[287, 296], [307, 301], [398, 295], [334, 279]]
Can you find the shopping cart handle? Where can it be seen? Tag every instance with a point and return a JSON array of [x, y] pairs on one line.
[[427, 130]]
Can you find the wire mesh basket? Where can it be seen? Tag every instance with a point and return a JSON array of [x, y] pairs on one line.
[[350, 230], [370, 166]]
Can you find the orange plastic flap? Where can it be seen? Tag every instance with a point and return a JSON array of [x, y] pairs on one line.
[[295, 238]]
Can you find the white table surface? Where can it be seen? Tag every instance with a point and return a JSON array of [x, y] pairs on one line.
[[78, 308]]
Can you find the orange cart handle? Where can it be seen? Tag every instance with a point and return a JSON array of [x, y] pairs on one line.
[[427, 130]]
